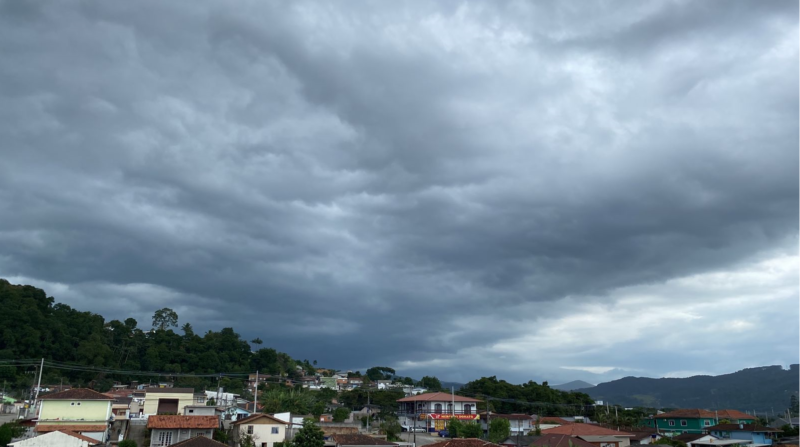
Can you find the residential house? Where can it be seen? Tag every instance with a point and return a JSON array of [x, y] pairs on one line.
[[202, 410], [757, 435], [593, 434], [553, 440], [644, 437], [519, 423], [166, 430], [695, 439], [58, 438], [78, 410], [200, 441], [121, 407], [694, 420], [780, 422], [264, 429], [221, 398], [167, 400], [436, 409], [706, 440], [328, 382], [356, 440]]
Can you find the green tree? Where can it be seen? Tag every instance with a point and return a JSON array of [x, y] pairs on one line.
[[309, 435], [127, 443], [391, 428], [380, 373], [499, 429], [10, 430], [165, 318], [454, 427], [470, 430], [431, 383], [340, 414]]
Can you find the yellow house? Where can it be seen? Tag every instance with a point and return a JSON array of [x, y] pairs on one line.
[[264, 430], [167, 400], [78, 410]]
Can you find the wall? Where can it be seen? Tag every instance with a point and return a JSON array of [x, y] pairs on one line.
[[262, 431], [151, 401], [71, 412], [50, 440]]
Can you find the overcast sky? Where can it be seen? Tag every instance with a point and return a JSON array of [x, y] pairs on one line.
[[533, 190]]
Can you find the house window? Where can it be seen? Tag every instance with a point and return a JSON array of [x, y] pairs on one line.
[[201, 399], [468, 409], [249, 429], [274, 430], [450, 408], [72, 404], [708, 423], [191, 411], [671, 423], [165, 438], [437, 408], [683, 423]]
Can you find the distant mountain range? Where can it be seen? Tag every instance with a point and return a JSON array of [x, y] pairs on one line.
[[574, 385], [765, 388]]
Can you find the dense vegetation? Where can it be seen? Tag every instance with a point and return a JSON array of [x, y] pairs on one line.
[[529, 397], [761, 389], [33, 326]]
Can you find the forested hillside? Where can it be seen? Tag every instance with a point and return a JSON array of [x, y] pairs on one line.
[[761, 389], [33, 326], [529, 397]]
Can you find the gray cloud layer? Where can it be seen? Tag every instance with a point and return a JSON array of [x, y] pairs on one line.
[[415, 184]]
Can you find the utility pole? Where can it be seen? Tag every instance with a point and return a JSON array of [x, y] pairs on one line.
[[38, 386], [255, 399], [369, 411]]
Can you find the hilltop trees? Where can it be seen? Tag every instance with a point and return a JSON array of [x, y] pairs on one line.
[[56, 332], [165, 318]]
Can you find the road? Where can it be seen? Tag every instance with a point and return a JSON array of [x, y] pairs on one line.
[[422, 438]]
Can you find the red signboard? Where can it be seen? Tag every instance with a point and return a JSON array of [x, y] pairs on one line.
[[461, 417]]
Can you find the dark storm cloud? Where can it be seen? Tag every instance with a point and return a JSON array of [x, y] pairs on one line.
[[401, 178]]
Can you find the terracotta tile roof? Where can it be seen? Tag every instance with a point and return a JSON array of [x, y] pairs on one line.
[[554, 420], [584, 430], [177, 421], [346, 439], [697, 413], [468, 442], [91, 441], [169, 390], [437, 397], [260, 415], [551, 440], [46, 428], [76, 394], [198, 441], [745, 427]]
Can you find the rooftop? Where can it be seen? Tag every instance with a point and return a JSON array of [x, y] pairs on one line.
[[46, 428], [468, 442], [584, 430], [552, 440], [198, 441], [354, 439], [438, 397], [170, 390], [76, 394], [258, 416], [742, 427], [177, 421], [697, 413]]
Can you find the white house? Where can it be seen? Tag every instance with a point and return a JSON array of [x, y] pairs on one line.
[[436, 409], [264, 429], [58, 439]]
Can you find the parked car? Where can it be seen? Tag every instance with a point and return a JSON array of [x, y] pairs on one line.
[[444, 434]]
